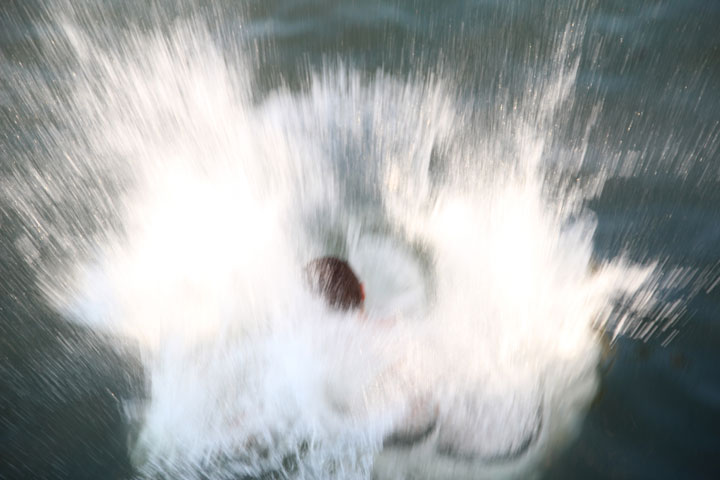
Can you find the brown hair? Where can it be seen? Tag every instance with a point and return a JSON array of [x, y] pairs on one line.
[[335, 282]]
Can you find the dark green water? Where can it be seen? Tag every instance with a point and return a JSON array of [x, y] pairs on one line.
[[640, 135]]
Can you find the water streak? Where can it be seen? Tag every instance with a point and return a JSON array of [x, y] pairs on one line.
[[181, 211]]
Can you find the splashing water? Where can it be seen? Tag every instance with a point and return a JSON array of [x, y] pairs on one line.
[[484, 301]]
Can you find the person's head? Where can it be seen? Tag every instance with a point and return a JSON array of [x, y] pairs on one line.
[[336, 283]]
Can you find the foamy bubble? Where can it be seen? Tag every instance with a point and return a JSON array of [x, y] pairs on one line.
[[478, 342]]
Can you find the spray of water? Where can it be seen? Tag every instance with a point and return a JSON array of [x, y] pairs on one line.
[[484, 302]]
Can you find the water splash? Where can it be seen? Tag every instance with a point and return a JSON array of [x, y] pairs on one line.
[[484, 298]]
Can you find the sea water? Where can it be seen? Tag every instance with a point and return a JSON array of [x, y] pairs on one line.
[[172, 203]]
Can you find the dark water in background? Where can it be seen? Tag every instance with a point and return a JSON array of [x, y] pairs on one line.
[[653, 66]]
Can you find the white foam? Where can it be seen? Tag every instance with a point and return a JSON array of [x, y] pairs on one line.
[[481, 301]]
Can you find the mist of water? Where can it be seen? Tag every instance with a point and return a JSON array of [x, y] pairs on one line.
[[485, 304]]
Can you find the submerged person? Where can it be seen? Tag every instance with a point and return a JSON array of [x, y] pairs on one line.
[[333, 280]]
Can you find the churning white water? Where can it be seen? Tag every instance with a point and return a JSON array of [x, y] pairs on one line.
[[478, 351]]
